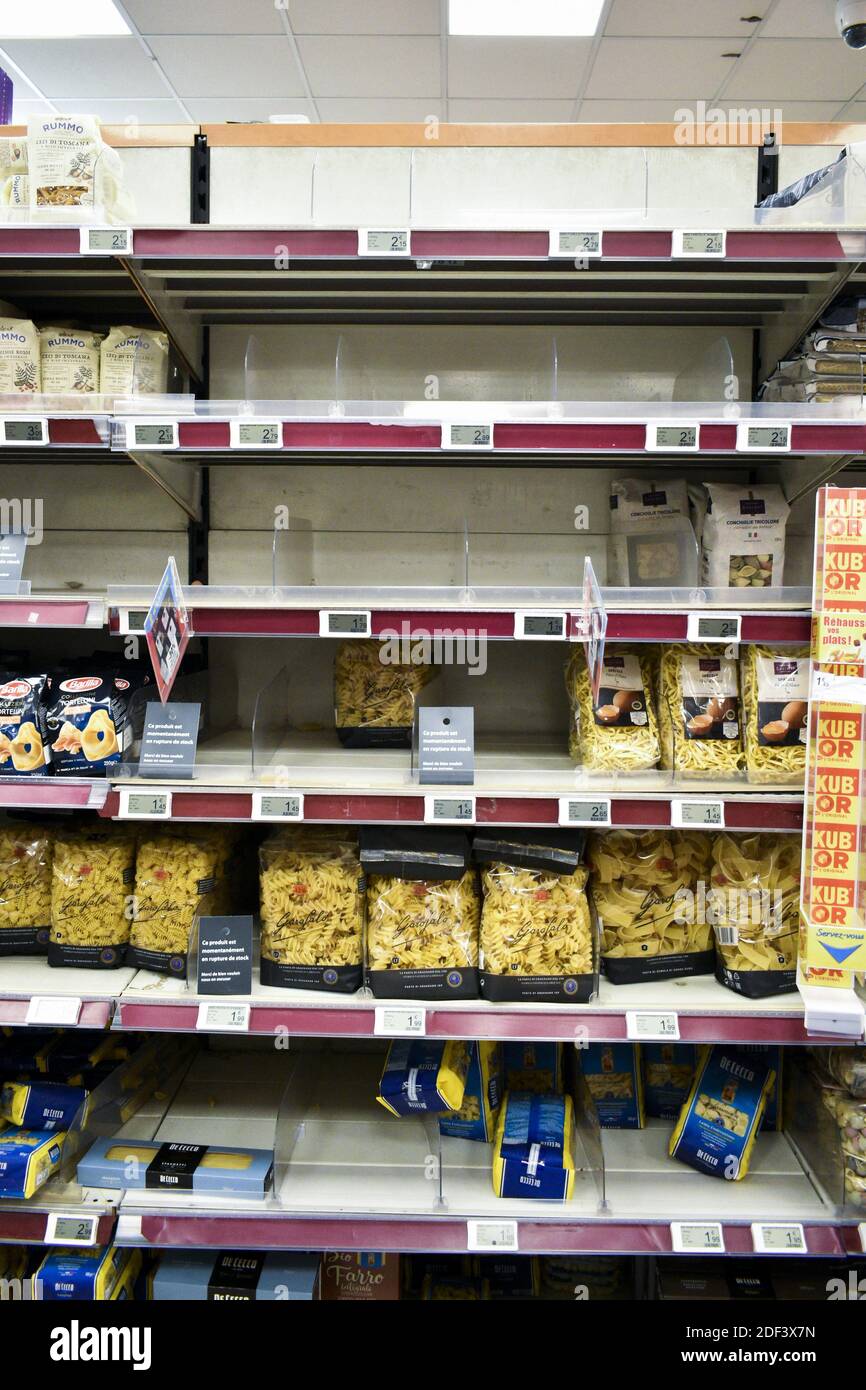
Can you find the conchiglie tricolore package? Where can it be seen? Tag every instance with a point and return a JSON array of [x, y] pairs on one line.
[[375, 697], [700, 719], [753, 906], [175, 878], [312, 909], [92, 882], [25, 889], [775, 713], [618, 731]]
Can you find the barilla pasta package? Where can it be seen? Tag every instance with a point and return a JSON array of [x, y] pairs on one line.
[[175, 880], [422, 1075], [533, 1153], [27, 1160], [374, 696], [311, 888], [47, 1105], [24, 749], [668, 1071], [613, 1076], [87, 1276], [92, 880], [25, 889], [93, 719], [482, 1097], [775, 713], [720, 1120], [743, 536], [700, 719], [532, 1066]]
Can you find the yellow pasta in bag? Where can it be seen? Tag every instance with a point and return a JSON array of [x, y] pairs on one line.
[[91, 887], [422, 936], [753, 906], [699, 712], [775, 713], [312, 909], [537, 934], [175, 878], [374, 697], [618, 731], [25, 889]]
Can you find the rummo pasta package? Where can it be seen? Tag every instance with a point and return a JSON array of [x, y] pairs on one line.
[[24, 750], [612, 1072], [753, 906], [93, 718], [133, 361], [312, 909], [423, 912], [175, 882], [618, 732], [652, 541], [700, 719], [719, 1122], [482, 1096], [92, 883], [422, 1076], [20, 366], [533, 1152], [69, 360], [71, 166], [538, 928], [775, 713], [374, 699], [25, 889], [743, 538], [645, 890]]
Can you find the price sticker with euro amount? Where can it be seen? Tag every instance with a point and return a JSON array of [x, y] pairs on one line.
[[152, 434], [714, 627], [256, 434], [342, 623], [105, 241], [449, 810], [63, 1229], [774, 438], [586, 810], [384, 241], [699, 245], [779, 1238], [492, 1235], [576, 245], [392, 1021], [697, 815], [136, 805], [534, 626], [469, 437], [25, 431], [223, 1018], [697, 1238], [649, 1027], [673, 437], [278, 806]]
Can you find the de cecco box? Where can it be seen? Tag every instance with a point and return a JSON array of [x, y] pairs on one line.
[[177, 1167]]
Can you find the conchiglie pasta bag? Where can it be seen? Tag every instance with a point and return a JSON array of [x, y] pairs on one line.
[[175, 882], [743, 537], [423, 912], [775, 713], [645, 886], [719, 1123], [618, 732], [652, 541], [423, 1076], [533, 1153], [375, 695], [753, 906], [312, 909], [25, 889], [700, 720], [538, 927], [92, 884]]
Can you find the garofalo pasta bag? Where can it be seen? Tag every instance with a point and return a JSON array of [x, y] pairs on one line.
[[719, 1122], [92, 881], [538, 928], [618, 732], [175, 881], [25, 889], [700, 719], [743, 540], [423, 911], [775, 713], [374, 698], [753, 906], [312, 909]]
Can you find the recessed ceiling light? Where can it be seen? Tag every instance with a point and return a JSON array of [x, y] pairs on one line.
[[55, 19], [524, 17]]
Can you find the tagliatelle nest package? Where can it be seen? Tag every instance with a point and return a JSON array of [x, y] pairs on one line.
[[175, 877], [618, 732], [775, 713], [91, 887], [700, 720], [312, 909], [25, 889], [754, 909], [374, 700]]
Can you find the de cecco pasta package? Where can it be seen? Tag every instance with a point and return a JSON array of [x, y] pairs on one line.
[[720, 1120], [533, 1155], [422, 1075], [476, 1118]]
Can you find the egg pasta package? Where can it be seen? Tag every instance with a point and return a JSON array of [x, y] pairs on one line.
[[93, 876], [25, 889], [618, 731], [775, 714], [175, 882], [645, 886], [311, 887], [533, 1152], [753, 905], [538, 926], [375, 696], [482, 1096], [43, 1105], [719, 1122], [423, 1076], [700, 720]]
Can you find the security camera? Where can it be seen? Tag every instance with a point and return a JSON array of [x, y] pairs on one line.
[[851, 19]]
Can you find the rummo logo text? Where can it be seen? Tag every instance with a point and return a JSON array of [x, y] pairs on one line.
[[82, 1343], [734, 125]]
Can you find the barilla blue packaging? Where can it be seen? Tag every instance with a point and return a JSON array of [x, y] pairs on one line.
[[422, 1075], [482, 1096], [88, 1276], [533, 1155], [27, 1160], [42, 1104], [668, 1071], [532, 1066], [719, 1122], [613, 1075], [233, 1276]]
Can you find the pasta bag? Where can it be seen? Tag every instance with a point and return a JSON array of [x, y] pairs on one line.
[[775, 714], [374, 697], [533, 1066], [533, 1152], [71, 166], [719, 1123], [537, 935], [133, 362], [618, 732], [700, 719], [311, 888], [753, 906], [92, 881], [20, 360], [482, 1096], [70, 360], [422, 1076], [25, 889], [668, 1071], [613, 1075], [175, 879]]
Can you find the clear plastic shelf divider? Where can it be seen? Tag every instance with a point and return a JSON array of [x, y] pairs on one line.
[[708, 377], [270, 726]]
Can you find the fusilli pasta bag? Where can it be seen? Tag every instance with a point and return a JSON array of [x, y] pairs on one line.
[[422, 937], [645, 889], [537, 935], [618, 732], [175, 879], [25, 889], [92, 881], [311, 888], [700, 719], [753, 906], [775, 714], [374, 697]]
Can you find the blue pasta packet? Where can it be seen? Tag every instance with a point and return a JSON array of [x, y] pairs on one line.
[[44, 1105], [422, 1075], [533, 1155], [719, 1122], [482, 1097]]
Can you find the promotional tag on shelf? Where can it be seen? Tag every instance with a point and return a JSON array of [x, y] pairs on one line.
[[149, 434], [467, 436], [779, 1238], [167, 629], [587, 810], [492, 1235], [714, 627], [699, 245], [169, 740], [278, 806], [12, 552], [252, 433], [53, 1011], [136, 805], [27, 431], [444, 745], [61, 1228], [649, 1027], [223, 1018], [672, 437], [697, 1238], [535, 626], [105, 241], [390, 241], [763, 439], [574, 245], [225, 955], [337, 622], [697, 814], [394, 1021]]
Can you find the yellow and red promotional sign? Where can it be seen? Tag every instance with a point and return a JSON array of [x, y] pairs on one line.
[[839, 628]]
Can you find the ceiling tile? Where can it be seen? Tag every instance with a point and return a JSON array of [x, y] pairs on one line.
[[404, 66], [104, 67], [658, 67], [115, 112], [343, 109], [682, 18], [216, 110], [24, 108], [369, 17], [517, 67], [801, 19], [493, 109], [791, 110], [799, 69], [214, 17], [626, 110], [217, 67]]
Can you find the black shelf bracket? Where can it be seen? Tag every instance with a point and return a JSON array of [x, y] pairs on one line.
[[197, 534], [199, 175], [768, 167]]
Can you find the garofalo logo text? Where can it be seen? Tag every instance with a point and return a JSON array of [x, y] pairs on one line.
[[77, 1343]]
